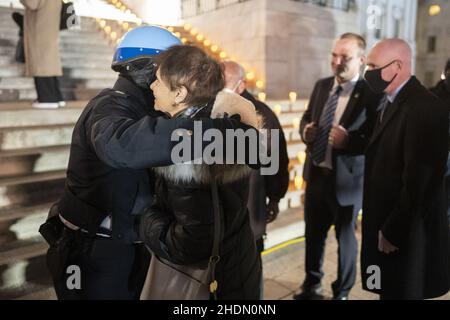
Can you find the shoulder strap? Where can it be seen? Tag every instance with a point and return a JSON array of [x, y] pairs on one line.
[[218, 233]]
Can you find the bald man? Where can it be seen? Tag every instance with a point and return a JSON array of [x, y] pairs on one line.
[[405, 252]]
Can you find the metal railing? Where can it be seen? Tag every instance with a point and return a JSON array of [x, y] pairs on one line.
[[191, 8]]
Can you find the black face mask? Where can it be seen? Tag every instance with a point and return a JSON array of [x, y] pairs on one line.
[[141, 71], [376, 81]]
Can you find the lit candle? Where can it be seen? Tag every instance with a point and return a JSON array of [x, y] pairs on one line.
[[298, 182], [301, 157], [262, 96], [292, 96], [250, 76], [277, 109], [259, 84], [296, 123]]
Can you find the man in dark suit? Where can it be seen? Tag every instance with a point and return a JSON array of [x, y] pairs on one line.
[[265, 191], [405, 253], [334, 165]]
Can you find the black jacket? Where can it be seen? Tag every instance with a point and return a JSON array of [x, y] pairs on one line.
[[179, 226], [404, 197], [115, 140], [273, 187]]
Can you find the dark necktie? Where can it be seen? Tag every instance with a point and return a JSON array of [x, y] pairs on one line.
[[383, 108], [325, 125]]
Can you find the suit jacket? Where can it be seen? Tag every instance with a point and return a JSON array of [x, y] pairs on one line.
[[404, 197], [359, 118]]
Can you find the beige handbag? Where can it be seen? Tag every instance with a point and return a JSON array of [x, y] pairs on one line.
[[168, 281]]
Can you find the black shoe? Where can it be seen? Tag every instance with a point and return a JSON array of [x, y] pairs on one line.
[[311, 293]]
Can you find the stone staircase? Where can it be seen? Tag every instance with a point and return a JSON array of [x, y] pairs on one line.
[[34, 150], [34, 145], [85, 56]]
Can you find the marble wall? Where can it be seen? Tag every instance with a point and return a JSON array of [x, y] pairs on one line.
[[286, 43], [430, 65]]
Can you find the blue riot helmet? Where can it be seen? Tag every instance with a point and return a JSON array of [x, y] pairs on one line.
[[135, 54]]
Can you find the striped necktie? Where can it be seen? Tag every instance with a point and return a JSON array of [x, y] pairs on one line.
[[325, 125]]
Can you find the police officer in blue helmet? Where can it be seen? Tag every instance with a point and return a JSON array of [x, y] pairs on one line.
[[95, 251]]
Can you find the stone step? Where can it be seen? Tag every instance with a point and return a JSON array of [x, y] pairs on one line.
[[40, 293], [91, 37], [16, 83], [32, 178], [18, 212], [13, 70], [40, 289], [34, 160], [25, 105], [35, 136], [81, 49], [7, 95], [89, 73], [86, 56], [8, 48], [22, 250], [5, 60], [39, 117], [31, 194], [88, 63]]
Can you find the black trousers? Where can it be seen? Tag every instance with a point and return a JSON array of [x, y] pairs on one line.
[[108, 269], [47, 89], [322, 210]]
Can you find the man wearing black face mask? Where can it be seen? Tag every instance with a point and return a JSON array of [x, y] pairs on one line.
[[333, 170], [405, 231]]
